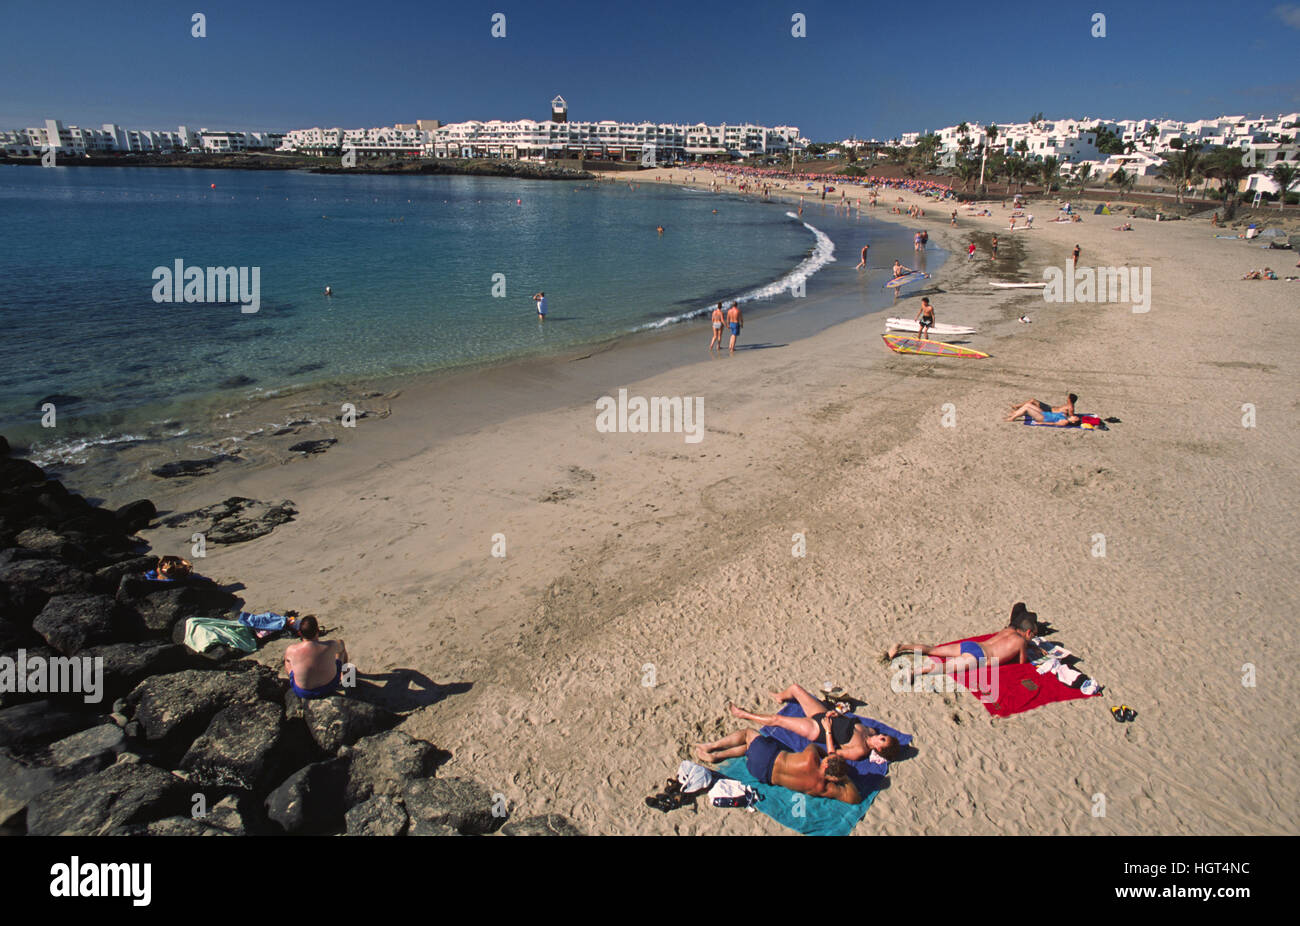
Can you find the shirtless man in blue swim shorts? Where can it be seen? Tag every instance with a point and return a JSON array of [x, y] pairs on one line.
[[1009, 646], [315, 667], [769, 761]]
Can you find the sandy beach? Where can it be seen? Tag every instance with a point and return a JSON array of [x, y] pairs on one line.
[[648, 580]]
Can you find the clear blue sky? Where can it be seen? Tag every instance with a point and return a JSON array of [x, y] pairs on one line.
[[284, 64]]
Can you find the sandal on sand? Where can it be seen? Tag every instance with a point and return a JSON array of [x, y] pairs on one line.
[[1118, 713]]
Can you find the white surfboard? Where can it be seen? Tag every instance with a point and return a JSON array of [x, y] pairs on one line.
[[907, 324], [1018, 285]]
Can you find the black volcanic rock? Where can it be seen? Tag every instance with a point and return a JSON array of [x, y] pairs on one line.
[[235, 520], [70, 623], [180, 705], [192, 467], [550, 824], [122, 794], [240, 749], [337, 721], [314, 446], [136, 515]]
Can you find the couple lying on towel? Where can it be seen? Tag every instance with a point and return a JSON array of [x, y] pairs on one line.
[[809, 772]]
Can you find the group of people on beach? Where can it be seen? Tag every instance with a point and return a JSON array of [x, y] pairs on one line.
[[821, 769], [314, 666]]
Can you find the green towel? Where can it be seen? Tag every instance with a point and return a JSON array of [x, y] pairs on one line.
[[202, 633]]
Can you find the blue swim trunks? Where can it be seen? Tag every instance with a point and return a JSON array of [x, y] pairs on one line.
[[735, 327], [761, 757], [1052, 417], [323, 690], [970, 648]]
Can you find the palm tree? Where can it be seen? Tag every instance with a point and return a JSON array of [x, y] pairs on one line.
[[1119, 178], [1082, 175], [966, 170], [1050, 171], [1224, 164], [1285, 176], [1181, 168]]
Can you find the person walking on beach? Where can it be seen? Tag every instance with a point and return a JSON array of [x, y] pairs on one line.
[[995, 248], [954, 218], [540, 299], [970, 251], [863, 263], [1075, 256], [925, 317], [717, 320], [735, 321]]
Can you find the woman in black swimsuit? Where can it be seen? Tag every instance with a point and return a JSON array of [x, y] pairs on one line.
[[847, 737]]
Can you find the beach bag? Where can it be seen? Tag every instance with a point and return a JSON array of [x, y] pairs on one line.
[[693, 777]]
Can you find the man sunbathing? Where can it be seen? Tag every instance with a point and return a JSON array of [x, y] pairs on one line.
[[836, 733], [1009, 646], [315, 667], [773, 764]]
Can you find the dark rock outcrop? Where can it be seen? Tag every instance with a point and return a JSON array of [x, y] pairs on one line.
[[338, 721], [40, 722], [464, 805], [122, 794], [192, 467], [242, 748], [378, 816], [314, 446], [180, 705], [550, 824], [70, 623], [25, 777], [235, 520]]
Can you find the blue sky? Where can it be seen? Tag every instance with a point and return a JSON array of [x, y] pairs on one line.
[[284, 64]]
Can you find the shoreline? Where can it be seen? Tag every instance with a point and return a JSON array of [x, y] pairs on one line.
[[234, 424]]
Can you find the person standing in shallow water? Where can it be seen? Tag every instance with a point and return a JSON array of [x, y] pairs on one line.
[[862, 263]]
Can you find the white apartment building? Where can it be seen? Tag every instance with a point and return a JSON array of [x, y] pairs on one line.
[[1073, 142], [74, 141], [557, 137]]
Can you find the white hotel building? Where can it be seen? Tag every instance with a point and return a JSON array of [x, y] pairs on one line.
[[74, 141], [557, 137], [1072, 142]]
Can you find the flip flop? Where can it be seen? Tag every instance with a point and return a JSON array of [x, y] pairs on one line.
[[1118, 714], [1129, 714]]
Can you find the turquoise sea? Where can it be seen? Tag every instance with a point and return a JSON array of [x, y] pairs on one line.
[[428, 273]]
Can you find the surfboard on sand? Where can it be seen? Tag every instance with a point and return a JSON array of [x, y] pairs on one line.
[[902, 344], [914, 276], [908, 324], [1018, 285]]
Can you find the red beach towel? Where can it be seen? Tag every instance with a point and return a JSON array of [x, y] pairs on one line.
[[1012, 689]]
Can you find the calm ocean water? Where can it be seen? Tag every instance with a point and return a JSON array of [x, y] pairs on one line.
[[412, 261]]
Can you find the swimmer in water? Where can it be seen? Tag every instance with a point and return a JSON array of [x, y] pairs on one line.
[[329, 291]]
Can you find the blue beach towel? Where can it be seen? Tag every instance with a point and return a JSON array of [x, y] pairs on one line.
[[267, 620], [821, 816]]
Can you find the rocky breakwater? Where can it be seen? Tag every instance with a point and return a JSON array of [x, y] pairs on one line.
[[110, 726]]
